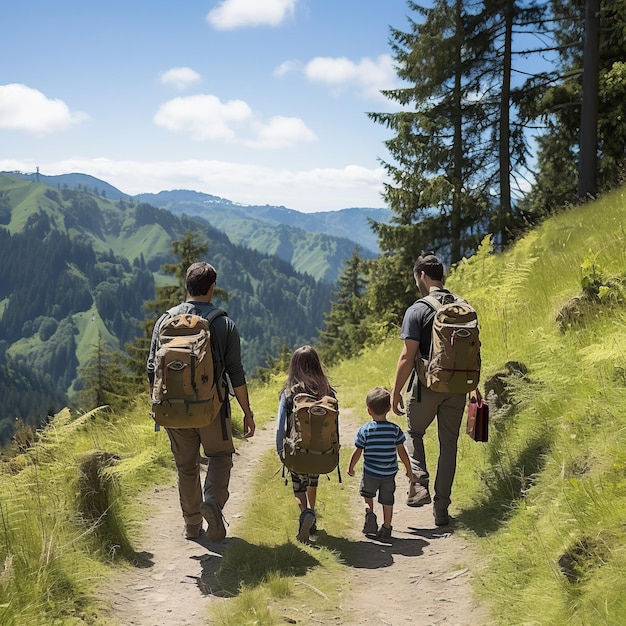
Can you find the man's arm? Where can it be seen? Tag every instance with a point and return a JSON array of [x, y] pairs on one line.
[[241, 393], [406, 363]]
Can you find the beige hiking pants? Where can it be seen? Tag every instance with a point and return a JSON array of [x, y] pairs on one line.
[[185, 444]]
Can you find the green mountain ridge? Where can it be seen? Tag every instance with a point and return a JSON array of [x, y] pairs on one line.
[[316, 243]]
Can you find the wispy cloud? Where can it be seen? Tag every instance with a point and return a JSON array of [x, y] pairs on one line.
[[205, 118], [233, 14], [367, 77], [180, 77], [25, 109]]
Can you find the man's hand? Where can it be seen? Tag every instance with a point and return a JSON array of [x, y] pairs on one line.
[[397, 403], [248, 425], [350, 472]]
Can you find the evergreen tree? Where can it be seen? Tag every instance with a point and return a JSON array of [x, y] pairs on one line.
[[557, 101], [104, 380], [346, 328]]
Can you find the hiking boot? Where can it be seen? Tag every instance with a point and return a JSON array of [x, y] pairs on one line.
[[371, 524], [441, 517], [307, 520], [193, 531], [418, 495], [384, 534], [213, 515]]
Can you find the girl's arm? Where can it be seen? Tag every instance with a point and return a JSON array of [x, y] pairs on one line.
[[281, 424]]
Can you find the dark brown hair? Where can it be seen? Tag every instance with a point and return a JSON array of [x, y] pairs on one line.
[[199, 278], [428, 263], [306, 374]]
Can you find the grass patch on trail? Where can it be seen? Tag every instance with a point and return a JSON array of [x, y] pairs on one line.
[[268, 573]]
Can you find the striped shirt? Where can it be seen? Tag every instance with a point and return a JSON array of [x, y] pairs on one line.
[[379, 441]]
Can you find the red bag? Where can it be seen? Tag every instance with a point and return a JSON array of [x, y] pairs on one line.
[[477, 418]]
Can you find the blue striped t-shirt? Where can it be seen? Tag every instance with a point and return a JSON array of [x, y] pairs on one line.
[[379, 441]]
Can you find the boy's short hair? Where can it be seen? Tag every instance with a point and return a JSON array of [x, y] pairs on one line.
[[378, 400]]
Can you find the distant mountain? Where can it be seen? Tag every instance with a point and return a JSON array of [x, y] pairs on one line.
[[351, 223], [76, 266], [316, 243], [73, 181]]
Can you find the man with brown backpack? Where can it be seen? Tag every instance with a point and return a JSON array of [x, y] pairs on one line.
[[441, 345], [195, 350]]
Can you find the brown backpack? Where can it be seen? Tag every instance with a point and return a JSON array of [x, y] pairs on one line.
[[311, 444], [187, 391]]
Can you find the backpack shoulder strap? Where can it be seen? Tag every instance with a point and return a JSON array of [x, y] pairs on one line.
[[214, 314], [432, 302]]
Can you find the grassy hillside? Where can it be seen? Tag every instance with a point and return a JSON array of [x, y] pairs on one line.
[[543, 502]]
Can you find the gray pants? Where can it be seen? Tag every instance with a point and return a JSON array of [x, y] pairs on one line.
[[448, 409]]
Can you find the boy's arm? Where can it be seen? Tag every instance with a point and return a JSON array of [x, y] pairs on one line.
[[354, 459], [404, 457]]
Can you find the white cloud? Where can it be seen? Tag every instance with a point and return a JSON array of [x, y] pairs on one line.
[[180, 77], [25, 109], [367, 76], [280, 132], [233, 14], [205, 118], [319, 189]]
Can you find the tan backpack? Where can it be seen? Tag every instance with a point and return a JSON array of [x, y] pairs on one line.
[[311, 444], [453, 365], [187, 391]]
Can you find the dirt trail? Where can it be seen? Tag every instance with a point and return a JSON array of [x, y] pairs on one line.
[[421, 578]]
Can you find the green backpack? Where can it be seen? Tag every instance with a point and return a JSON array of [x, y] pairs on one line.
[[311, 443], [453, 364]]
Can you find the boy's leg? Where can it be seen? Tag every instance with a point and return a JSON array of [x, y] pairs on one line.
[[386, 497], [387, 515]]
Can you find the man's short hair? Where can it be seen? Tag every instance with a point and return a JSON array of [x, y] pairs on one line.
[[199, 278], [378, 400], [428, 263]]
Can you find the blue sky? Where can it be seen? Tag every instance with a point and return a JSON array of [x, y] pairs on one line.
[[257, 101]]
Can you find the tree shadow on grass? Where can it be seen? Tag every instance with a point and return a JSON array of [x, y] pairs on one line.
[[370, 553], [241, 564]]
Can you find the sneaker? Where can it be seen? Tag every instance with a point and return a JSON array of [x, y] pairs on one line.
[[384, 534], [313, 530], [193, 531], [441, 517], [213, 515], [418, 495], [371, 524], [307, 520]]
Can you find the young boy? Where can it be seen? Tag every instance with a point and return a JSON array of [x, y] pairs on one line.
[[380, 442]]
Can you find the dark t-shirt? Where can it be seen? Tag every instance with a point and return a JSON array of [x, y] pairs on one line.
[[418, 322]]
